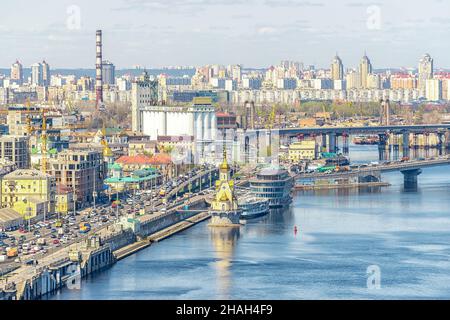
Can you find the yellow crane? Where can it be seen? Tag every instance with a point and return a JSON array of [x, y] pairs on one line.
[[29, 126], [272, 117], [44, 143]]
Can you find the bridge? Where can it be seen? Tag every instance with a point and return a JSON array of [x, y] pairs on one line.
[[409, 169], [330, 134]]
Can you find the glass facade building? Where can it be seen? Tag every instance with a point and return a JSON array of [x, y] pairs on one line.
[[273, 184]]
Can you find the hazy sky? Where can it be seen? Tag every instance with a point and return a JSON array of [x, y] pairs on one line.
[[255, 33]]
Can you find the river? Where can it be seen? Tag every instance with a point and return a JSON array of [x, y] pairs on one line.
[[404, 237]]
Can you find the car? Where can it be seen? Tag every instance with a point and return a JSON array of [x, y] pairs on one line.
[[56, 241]]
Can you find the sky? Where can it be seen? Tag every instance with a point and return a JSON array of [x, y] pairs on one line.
[[254, 33]]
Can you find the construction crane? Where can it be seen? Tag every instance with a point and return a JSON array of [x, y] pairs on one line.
[[272, 117], [44, 143], [29, 126]]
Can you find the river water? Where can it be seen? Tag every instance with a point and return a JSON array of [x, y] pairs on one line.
[[404, 237]]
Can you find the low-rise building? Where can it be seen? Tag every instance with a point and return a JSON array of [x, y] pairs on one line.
[[28, 191], [303, 150], [130, 164], [64, 199]]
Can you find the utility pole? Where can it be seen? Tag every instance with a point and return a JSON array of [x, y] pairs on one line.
[[94, 193]]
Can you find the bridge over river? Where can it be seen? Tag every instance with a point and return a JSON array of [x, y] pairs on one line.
[[410, 170]]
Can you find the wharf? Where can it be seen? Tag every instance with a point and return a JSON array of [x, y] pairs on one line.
[[160, 235], [342, 186]]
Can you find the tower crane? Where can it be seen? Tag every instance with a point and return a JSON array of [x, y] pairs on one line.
[[44, 143]]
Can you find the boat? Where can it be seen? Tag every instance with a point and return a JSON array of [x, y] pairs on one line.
[[274, 184], [366, 140], [253, 207], [225, 211]]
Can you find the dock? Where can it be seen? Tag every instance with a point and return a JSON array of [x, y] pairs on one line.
[[341, 186], [160, 235]]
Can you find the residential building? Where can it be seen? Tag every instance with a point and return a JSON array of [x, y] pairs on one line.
[[425, 72], [433, 89], [251, 83], [365, 68], [17, 72], [29, 192], [46, 77], [82, 170], [64, 199], [108, 73], [337, 69], [37, 74], [16, 149], [403, 81]]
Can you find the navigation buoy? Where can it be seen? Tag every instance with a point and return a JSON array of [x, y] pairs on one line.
[[295, 230]]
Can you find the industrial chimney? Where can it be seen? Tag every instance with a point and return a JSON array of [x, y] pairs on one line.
[[98, 70]]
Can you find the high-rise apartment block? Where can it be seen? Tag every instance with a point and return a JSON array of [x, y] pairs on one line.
[[337, 69]]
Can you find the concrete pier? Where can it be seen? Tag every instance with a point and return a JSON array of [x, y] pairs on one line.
[[410, 178]]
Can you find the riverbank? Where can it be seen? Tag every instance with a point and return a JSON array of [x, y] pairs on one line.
[[98, 251]]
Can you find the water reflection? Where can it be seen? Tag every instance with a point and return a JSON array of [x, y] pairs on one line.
[[224, 240], [393, 154]]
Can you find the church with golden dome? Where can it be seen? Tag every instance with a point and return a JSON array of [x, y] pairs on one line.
[[224, 208]]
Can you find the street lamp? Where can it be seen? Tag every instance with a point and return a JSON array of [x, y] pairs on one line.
[[74, 203], [28, 215]]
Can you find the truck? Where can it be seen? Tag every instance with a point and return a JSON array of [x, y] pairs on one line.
[[3, 258]]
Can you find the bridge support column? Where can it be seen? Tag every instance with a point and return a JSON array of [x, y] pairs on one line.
[[410, 178], [332, 145], [406, 144], [324, 142], [441, 142], [345, 147], [382, 146]]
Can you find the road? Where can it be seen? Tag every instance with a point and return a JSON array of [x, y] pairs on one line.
[[151, 203]]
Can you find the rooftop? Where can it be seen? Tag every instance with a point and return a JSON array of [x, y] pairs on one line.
[[26, 174]]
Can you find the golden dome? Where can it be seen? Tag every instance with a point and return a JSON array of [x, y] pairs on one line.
[[107, 152]]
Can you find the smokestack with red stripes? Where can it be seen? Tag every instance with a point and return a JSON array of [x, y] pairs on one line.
[[98, 70]]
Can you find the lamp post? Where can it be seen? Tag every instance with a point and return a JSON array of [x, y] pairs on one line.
[[74, 204], [28, 215]]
